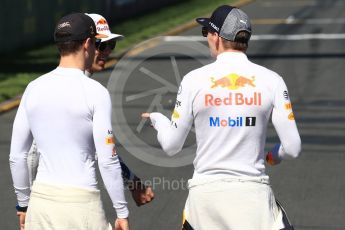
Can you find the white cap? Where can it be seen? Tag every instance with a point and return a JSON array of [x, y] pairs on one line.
[[103, 29]]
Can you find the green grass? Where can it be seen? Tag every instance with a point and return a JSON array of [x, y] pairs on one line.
[[160, 21], [18, 70], [11, 87]]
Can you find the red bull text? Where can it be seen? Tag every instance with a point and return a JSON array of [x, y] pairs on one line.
[[233, 99]]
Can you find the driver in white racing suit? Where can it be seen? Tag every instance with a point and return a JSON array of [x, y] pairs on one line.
[[230, 102]]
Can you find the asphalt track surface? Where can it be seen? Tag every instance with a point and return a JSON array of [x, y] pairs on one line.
[[301, 40]]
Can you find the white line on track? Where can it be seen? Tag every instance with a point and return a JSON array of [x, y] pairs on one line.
[[297, 37], [293, 20], [298, 3], [323, 21], [291, 37]]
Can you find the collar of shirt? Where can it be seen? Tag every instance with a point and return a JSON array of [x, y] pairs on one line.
[[233, 56], [73, 71]]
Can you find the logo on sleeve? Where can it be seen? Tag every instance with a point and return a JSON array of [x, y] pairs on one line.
[[288, 106], [109, 140], [178, 103], [286, 95], [175, 115]]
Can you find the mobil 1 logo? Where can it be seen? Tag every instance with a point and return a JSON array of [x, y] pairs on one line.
[[250, 121], [232, 121]]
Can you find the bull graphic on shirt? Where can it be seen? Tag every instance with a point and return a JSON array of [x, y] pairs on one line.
[[233, 81]]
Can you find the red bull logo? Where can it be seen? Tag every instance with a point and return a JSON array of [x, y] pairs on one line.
[[102, 21], [233, 99], [102, 26], [233, 81]]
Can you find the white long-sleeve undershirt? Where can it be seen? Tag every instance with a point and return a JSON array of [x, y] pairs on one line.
[[69, 116]]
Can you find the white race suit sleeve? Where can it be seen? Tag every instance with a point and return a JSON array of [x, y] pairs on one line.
[[108, 160], [172, 134], [20, 145], [284, 122]]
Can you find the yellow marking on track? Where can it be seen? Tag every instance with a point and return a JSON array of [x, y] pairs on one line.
[[9, 105]]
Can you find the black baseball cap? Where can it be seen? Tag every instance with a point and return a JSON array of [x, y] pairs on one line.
[[74, 27], [227, 21]]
